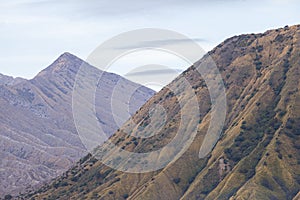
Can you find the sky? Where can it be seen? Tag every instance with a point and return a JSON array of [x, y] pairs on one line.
[[33, 33]]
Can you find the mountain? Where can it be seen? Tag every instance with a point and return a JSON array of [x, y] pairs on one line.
[[258, 154], [8, 80], [39, 140]]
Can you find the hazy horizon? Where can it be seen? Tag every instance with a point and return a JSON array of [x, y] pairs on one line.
[[35, 33]]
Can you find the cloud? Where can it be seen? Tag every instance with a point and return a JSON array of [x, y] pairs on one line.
[[154, 72], [98, 8], [162, 43], [50, 27]]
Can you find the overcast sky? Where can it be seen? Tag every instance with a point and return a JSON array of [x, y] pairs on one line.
[[33, 33]]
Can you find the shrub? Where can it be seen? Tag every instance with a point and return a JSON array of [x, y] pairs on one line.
[[240, 138], [289, 123], [74, 179], [63, 184], [265, 182], [243, 127], [8, 197], [282, 113], [227, 151], [258, 67], [176, 180], [243, 171], [260, 48]]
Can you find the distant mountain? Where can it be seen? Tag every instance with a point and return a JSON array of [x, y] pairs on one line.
[[258, 155], [38, 136], [8, 80]]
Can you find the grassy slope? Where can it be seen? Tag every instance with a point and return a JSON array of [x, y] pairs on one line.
[[260, 143]]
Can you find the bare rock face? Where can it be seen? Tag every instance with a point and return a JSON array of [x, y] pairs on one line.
[[39, 140], [258, 154]]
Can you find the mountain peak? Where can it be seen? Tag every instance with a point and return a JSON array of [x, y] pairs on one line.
[[67, 55], [64, 63], [39, 138]]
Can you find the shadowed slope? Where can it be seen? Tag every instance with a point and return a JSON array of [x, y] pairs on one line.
[[38, 136]]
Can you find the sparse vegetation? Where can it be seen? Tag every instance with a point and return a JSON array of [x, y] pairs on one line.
[[176, 180], [259, 148], [8, 197]]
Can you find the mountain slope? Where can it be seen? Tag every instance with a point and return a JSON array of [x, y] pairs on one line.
[[258, 155], [8, 80], [39, 140]]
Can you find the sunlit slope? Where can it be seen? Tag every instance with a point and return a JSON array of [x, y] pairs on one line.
[[258, 154]]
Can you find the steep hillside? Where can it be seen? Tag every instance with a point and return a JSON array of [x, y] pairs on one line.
[[38, 136], [258, 154]]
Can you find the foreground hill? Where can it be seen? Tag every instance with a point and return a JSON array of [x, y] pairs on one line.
[[258, 155], [38, 136]]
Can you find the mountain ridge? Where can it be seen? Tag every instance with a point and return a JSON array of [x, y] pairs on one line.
[[39, 139], [65, 61], [257, 156]]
